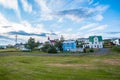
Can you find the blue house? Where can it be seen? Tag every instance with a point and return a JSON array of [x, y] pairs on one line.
[[69, 45]]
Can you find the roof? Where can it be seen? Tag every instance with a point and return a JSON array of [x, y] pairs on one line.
[[91, 38], [52, 41], [82, 39], [69, 41]]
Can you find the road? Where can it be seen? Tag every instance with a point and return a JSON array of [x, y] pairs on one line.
[[100, 51], [103, 51]]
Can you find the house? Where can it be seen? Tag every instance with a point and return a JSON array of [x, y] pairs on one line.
[[69, 45], [107, 43], [52, 42], [95, 42], [83, 42], [116, 42], [19, 46]]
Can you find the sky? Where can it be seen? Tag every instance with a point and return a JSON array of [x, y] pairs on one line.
[[71, 18]]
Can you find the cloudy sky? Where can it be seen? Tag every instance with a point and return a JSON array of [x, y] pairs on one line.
[[70, 18]]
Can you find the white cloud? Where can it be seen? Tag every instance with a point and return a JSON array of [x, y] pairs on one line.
[[90, 2], [84, 13], [69, 36], [98, 17], [8, 26], [75, 18], [91, 25], [95, 4], [43, 6], [3, 20], [27, 27], [60, 20], [98, 11], [69, 30], [99, 28], [45, 10], [26, 6], [11, 5], [101, 8]]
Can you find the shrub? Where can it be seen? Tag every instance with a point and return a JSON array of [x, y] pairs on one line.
[[116, 48], [45, 47], [91, 50], [84, 50], [52, 49]]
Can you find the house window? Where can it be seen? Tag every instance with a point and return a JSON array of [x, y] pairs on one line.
[[67, 43], [95, 46], [95, 39], [98, 46]]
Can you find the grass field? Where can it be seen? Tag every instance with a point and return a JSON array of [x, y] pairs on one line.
[[91, 67], [17, 51]]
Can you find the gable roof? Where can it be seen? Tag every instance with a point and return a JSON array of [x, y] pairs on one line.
[[91, 38]]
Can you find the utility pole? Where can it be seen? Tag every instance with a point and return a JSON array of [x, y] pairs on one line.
[[16, 39]]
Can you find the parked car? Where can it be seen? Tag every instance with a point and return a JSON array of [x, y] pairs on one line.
[[26, 50]]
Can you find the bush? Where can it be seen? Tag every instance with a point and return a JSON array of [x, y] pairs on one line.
[[84, 50], [116, 48], [52, 49], [91, 50], [45, 47]]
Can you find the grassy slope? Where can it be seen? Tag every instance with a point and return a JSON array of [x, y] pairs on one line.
[[102, 67]]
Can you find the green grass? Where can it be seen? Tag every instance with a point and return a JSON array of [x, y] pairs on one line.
[[91, 67], [115, 48], [17, 51]]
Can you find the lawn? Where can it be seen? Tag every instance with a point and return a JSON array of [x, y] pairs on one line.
[[17, 51], [91, 67]]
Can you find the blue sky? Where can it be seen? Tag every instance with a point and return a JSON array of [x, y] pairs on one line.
[[71, 18]]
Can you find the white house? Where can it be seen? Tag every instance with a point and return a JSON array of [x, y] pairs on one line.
[[95, 42], [83, 42], [20, 46], [116, 42]]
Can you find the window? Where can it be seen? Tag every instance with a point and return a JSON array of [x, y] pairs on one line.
[[95, 39], [95, 46], [99, 46]]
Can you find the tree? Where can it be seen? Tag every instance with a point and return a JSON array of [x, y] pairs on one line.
[[58, 45], [79, 44], [61, 38], [52, 49], [49, 48], [45, 47], [38, 43], [31, 44]]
